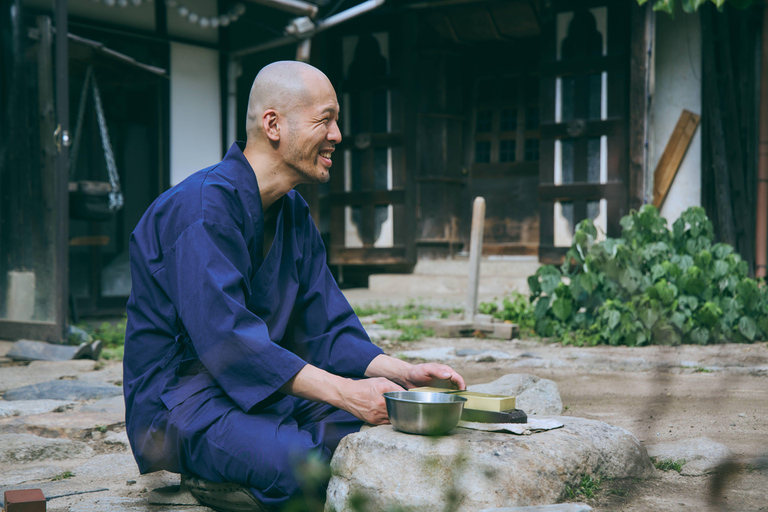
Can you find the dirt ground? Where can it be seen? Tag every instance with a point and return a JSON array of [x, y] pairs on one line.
[[660, 394]]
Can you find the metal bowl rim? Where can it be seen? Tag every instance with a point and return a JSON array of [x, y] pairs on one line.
[[453, 398]]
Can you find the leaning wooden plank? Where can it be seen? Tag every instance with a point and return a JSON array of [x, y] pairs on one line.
[[673, 155]]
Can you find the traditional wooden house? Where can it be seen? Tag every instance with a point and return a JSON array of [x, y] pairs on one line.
[[553, 111]]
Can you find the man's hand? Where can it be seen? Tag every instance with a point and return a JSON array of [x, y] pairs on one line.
[[434, 374], [365, 399], [412, 376]]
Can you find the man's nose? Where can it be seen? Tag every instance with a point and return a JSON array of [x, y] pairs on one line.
[[334, 134]]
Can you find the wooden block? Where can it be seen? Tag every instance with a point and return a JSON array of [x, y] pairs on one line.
[[673, 155], [505, 331], [487, 402], [475, 400], [24, 500], [452, 329]]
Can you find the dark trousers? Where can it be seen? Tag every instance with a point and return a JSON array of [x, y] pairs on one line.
[[217, 441]]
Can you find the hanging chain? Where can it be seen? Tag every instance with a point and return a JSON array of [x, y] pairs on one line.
[[115, 195]]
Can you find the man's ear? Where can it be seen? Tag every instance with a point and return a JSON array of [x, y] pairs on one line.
[[270, 125]]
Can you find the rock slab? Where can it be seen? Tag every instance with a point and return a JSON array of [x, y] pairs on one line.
[[27, 448], [534, 394], [560, 507], [701, 455], [62, 390], [386, 468]]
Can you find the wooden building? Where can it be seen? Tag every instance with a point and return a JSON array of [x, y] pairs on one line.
[[543, 107]]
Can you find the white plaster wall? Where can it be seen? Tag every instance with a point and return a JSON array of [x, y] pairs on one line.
[[195, 110], [677, 86]]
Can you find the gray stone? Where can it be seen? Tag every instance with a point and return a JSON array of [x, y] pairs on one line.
[[103, 503], [485, 469], [80, 425], [493, 354], [12, 477], [37, 372], [469, 352], [116, 439], [112, 405], [534, 394], [27, 407], [62, 390], [430, 354], [560, 507], [701, 455], [28, 350], [116, 465], [27, 448]]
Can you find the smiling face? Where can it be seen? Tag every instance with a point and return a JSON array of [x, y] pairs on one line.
[[307, 145]]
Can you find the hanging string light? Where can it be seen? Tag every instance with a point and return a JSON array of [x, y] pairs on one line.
[[185, 12]]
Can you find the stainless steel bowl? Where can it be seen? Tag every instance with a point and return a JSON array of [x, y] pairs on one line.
[[429, 414]]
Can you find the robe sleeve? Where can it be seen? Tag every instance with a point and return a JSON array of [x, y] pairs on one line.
[[207, 270], [327, 332]]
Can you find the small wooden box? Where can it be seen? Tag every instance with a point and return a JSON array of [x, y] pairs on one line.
[[24, 500]]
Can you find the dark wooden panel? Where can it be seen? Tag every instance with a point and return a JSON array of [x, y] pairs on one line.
[[581, 191], [584, 66], [367, 256], [504, 170], [510, 249], [551, 255], [373, 197], [576, 128], [366, 141]]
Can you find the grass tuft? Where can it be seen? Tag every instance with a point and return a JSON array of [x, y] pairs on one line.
[[667, 464]]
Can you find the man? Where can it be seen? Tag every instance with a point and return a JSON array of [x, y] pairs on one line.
[[241, 354]]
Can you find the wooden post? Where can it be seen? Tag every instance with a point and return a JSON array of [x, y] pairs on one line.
[[475, 254]]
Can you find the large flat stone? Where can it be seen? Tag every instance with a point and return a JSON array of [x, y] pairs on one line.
[[534, 394], [29, 407], [701, 455], [29, 350], [24, 473], [16, 448], [63, 390], [479, 469], [37, 372], [61, 425], [559, 507]]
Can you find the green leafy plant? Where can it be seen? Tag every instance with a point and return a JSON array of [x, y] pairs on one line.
[[515, 308], [62, 476], [652, 285], [587, 487], [668, 464]]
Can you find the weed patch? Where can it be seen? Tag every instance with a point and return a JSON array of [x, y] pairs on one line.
[[668, 464], [588, 487]]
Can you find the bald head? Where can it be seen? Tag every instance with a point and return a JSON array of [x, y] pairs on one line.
[[281, 86]]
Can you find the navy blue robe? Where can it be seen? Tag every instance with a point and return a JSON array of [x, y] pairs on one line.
[[214, 330]]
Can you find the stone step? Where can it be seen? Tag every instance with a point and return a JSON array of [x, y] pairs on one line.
[[435, 285], [509, 266]]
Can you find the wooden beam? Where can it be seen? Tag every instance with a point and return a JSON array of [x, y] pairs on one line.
[[639, 69], [673, 155]]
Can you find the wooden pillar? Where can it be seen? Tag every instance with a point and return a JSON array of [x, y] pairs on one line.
[[641, 33]]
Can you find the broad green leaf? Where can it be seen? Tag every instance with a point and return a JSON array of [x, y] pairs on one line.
[[533, 284], [549, 282], [629, 279], [542, 305], [657, 272], [649, 317], [562, 308], [678, 319], [719, 3], [612, 318], [700, 335], [720, 251], [748, 328], [719, 269], [709, 314], [689, 302]]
